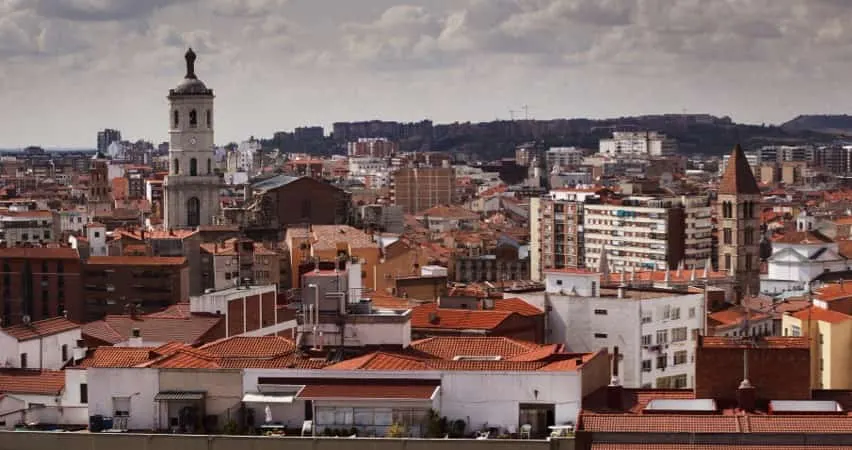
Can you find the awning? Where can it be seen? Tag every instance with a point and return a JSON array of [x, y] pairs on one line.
[[369, 391], [179, 395], [256, 397]]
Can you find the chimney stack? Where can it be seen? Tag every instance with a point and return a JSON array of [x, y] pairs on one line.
[[614, 390], [746, 393], [135, 338]]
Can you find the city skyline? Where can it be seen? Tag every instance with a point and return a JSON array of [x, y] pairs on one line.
[[69, 68]]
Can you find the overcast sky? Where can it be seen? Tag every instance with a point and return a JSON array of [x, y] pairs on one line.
[[71, 67]]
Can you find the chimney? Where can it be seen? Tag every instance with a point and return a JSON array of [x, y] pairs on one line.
[[746, 393], [614, 390], [135, 338]]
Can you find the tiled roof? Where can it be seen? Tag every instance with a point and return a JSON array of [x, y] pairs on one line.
[[834, 291], [250, 347], [517, 305], [738, 177], [36, 382], [659, 423], [771, 342], [430, 316], [32, 213], [449, 347], [227, 248], [449, 212], [39, 253], [189, 330], [371, 389], [659, 276], [157, 234], [799, 424], [175, 311], [802, 237], [117, 357], [822, 315], [735, 315], [40, 328], [136, 260]]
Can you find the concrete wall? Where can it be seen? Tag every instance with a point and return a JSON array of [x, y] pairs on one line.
[[224, 391], [141, 385], [85, 441]]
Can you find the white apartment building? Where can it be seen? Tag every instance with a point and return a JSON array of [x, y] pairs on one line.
[[34, 227], [754, 160], [638, 144], [656, 330], [564, 156], [648, 233], [73, 220], [247, 157], [372, 171]]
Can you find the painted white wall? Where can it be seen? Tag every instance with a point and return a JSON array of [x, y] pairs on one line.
[[141, 385], [44, 353], [586, 284]]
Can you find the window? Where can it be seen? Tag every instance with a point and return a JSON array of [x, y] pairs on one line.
[[748, 235], [176, 166], [97, 234], [23, 360], [175, 119], [662, 337], [600, 335], [675, 315], [559, 282], [820, 339], [193, 118], [647, 318], [84, 393], [695, 334], [795, 330], [64, 352], [594, 289], [647, 340], [46, 234], [728, 236], [121, 406], [662, 361], [193, 212], [646, 365], [679, 334], [727, 261], [748, 261], [691, 313], [209, 118], [726, 210], [193, 167], [679, 381], [680, 357], [209, 167], [600, 312]]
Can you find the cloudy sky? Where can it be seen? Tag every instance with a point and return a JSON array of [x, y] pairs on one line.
[[71, 67]]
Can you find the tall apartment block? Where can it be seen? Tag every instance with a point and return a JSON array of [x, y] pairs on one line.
[[638, 144], [570, 229], [106, 137], [375, 147], [649, 233], [417, 189]]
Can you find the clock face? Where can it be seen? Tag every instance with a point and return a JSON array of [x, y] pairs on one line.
[[192, 141]]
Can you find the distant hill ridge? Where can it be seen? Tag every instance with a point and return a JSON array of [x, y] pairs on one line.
[[824, 123]]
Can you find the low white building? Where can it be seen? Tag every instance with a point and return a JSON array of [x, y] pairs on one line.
[[73, 220], [655, 329], [800, 256], [28, 227], [45, 344]]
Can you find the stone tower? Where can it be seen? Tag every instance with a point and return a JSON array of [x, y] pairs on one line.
[[738, 219], [99, 195], [191, 189]]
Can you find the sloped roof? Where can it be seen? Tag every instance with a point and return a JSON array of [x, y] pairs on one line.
[[803, 237], [38, 382], [40, 328], [450, 347], [118, 328], [822, 315], [738, 177]]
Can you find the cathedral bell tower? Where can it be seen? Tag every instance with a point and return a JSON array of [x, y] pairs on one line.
[[738, 219], [191, 188]]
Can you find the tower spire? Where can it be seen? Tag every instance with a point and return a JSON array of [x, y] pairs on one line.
[[738, 177]]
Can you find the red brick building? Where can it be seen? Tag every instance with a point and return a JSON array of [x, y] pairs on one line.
[[40, 283], [283, 201], [114, 283]]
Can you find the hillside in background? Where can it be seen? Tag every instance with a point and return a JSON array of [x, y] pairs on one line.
[[838, 124]]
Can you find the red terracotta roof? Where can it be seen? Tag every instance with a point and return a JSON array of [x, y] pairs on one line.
[[799, 424], [430, 316], [772, 342], [448, 348], [175, 311], [250, 347], [735, 315], [517, 305], [36, 382], [802, 237], [117, 357], [40, 328], [118, 328], [834, 291], [39, 253], [371, 389], [822, 315], [738, 177], [136, 260], [659, 423]]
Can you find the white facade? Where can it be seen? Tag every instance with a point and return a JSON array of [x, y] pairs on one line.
[[564, 156], [638, 144], [73, 221], [24, 227], [96, 235], [248, 157], [131, 388], [45, 352], [572, 282], [192, 188], [795, 265]]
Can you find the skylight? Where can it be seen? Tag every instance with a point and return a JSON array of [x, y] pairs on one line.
[[697, 405], [477, 358], [810, 406]]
